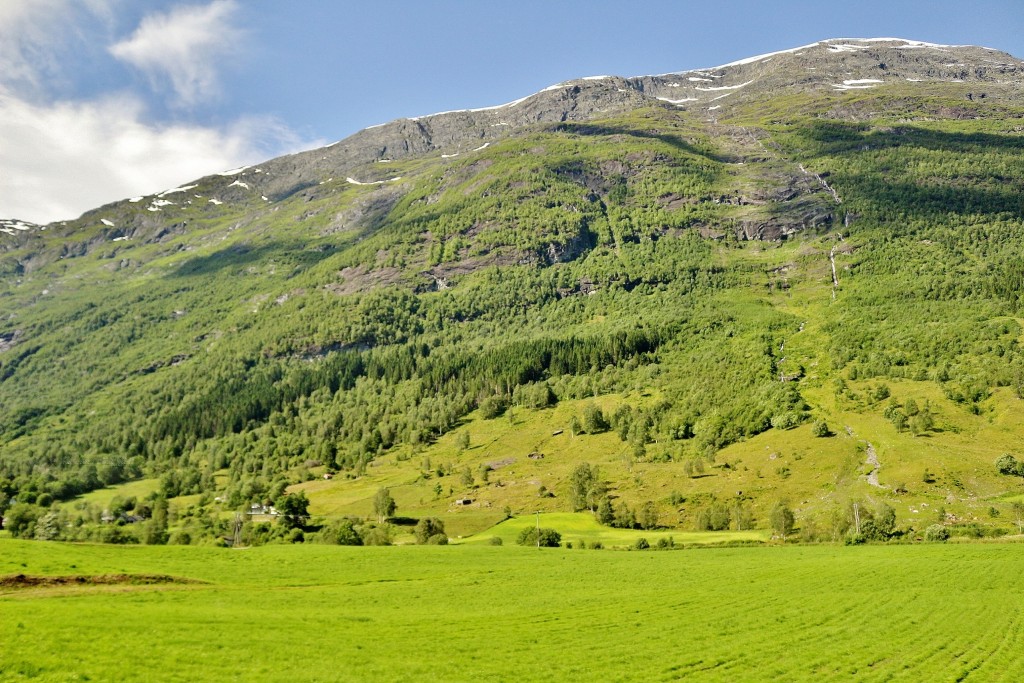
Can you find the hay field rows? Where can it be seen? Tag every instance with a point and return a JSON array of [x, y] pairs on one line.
[[482, 613]]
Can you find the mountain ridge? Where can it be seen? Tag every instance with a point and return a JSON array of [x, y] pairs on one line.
[[582, 98]]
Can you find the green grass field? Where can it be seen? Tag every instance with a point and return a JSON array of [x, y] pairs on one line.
[[471, 613], [581, 526]]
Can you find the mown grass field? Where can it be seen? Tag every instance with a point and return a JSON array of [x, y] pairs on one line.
[[472, 613]]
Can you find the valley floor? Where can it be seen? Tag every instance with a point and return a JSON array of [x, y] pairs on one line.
[[328, 613]]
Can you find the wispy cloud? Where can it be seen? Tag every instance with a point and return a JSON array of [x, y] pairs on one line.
[[181, 48], [60, 160], [61, 154], [36, 37]]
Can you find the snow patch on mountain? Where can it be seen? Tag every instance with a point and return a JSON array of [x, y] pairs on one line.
[[11, 226], [724, 87], [353, 181], [183, 188], [156, 204], [767, 55]]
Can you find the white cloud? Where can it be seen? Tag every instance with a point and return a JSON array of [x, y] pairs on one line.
[[60, 160], [36, 37], [182, 48], [61, 155]]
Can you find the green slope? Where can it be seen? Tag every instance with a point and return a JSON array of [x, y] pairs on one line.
[[717, 285]]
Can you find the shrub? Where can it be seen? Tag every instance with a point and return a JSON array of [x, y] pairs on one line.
[[378, 535], [427, 529], [641, 544], [21, 520], [785, 420], [493, 406], [342, 533], [1007, 464], [715, 517], [495, 540], [820, 429], [937, 533], [180, 538], [549, 538]]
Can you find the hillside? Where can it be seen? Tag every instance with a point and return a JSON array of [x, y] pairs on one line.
[[796, 277]]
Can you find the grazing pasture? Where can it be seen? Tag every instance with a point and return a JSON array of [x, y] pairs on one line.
[[941, 612]]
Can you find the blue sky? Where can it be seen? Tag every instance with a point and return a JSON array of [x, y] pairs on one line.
[[105, 99]]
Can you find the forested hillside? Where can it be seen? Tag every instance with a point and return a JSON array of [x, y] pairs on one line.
[[802, 285]]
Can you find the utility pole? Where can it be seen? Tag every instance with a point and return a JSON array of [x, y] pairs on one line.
[[538, 529], [856, 517]]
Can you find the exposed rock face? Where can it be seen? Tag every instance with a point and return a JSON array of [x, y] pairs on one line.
[[828, 67]]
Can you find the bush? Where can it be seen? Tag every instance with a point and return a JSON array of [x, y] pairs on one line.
[[117, 534], [427, 529], [786, 420], [715, 517], [496, 540], [493, 406], [342, 533], [377, 535], [1007, 464], [549, 538], [641, 544], [936, 533], [437, 539], [180, 538], [820, 429], [21, 520]]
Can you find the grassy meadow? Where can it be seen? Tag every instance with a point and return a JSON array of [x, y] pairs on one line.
[[475, 612], [581, 529]]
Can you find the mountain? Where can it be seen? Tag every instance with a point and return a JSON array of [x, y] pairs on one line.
[[793, 277]]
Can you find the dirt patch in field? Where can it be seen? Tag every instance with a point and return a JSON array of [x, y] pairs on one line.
[[16, 581]]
